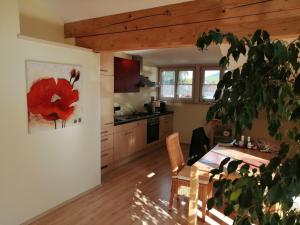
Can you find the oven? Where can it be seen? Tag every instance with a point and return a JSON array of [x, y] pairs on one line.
[[152, 129]]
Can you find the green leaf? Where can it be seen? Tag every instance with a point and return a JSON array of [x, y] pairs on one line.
[[231, 39], [290, 219], [217, 37], [215, 171], [275, 219], [201, 41], [244, 169], [296, 114], [235, 195], [278, 136], [210, 203], [256, 36], [218, 94], [223, 163], [242, 48], [245, 198], [284, 149], [229, 209], [223, 62], [273, 126], [266, 36], [297, 85], [275, 193], [232, 166], [297, 137], [236, 55]]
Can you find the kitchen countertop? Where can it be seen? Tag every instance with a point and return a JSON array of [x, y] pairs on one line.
[[138, 116]]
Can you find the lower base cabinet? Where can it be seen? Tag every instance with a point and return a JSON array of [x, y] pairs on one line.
[[140, 135], [130, 138], [123, 146], [107, 146]]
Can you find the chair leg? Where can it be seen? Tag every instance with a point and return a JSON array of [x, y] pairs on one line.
[[204, 201], [172, 195]]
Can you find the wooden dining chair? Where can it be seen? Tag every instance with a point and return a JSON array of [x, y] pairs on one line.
[[181, 172]]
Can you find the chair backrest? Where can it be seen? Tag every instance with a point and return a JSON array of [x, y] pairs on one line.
[[175, 153], [199, 146]]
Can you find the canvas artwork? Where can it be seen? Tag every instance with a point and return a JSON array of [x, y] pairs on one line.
[[53, 95]]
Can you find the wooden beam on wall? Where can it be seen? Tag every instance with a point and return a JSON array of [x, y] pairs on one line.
[[180, 24]]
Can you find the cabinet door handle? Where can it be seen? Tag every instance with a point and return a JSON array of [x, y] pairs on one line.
[[105, 154], [108, 123], [104, 132], [104, 139], [103, 70]]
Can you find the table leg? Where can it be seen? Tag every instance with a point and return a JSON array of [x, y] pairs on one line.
[[193, 202]]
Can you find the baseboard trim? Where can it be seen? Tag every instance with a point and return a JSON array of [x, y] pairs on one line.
[[51, 210]]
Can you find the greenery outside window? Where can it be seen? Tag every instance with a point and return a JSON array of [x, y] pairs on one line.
[[208, 86]]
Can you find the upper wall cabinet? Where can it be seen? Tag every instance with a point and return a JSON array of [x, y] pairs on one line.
[[127, 75], [107, 63]]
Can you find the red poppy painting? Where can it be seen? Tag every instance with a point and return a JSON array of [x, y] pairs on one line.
[[52, 95]]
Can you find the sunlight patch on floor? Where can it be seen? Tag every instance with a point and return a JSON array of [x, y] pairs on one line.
[[150, 175], [221, 216], [216, 213], [147, 211]]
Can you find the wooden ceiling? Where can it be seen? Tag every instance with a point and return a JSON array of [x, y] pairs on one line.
[[180, 24]]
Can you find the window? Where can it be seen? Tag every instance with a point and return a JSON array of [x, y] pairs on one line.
[[211, 78], [177, 84], [189, 84], [185, 84], [168, 84]]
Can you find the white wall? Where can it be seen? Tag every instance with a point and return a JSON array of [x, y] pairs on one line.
[[187, 117], [39, 171], [38, 20]]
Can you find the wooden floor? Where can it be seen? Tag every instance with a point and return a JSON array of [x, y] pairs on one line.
[[136, 193]]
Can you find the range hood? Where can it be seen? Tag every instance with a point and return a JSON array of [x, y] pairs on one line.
[[144, 81]]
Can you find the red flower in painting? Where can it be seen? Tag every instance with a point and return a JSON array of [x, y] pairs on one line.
[[51, 99]]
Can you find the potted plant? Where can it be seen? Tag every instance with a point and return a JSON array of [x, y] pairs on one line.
[[269, 82]]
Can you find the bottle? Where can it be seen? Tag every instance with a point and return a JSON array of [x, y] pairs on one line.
[[249, 145], [242, 141]]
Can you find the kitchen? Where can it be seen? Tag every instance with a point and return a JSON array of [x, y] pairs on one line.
[[133, 121]]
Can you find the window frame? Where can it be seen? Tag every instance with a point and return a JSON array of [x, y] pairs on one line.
[[177, 69]]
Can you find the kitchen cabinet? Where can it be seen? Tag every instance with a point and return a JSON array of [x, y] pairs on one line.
[[107, 103], [126, 75], [130, 138], [107, 108], [140, 135], [107, 149], [165, 126], [123, 144], [107, 63]]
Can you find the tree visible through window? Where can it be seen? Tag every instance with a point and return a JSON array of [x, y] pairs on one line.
[[185, 84], [168, 84], [210, 80]]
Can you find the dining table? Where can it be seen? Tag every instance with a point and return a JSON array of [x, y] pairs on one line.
[[212, 160]]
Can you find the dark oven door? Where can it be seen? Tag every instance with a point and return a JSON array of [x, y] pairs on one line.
[[152, 130]]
